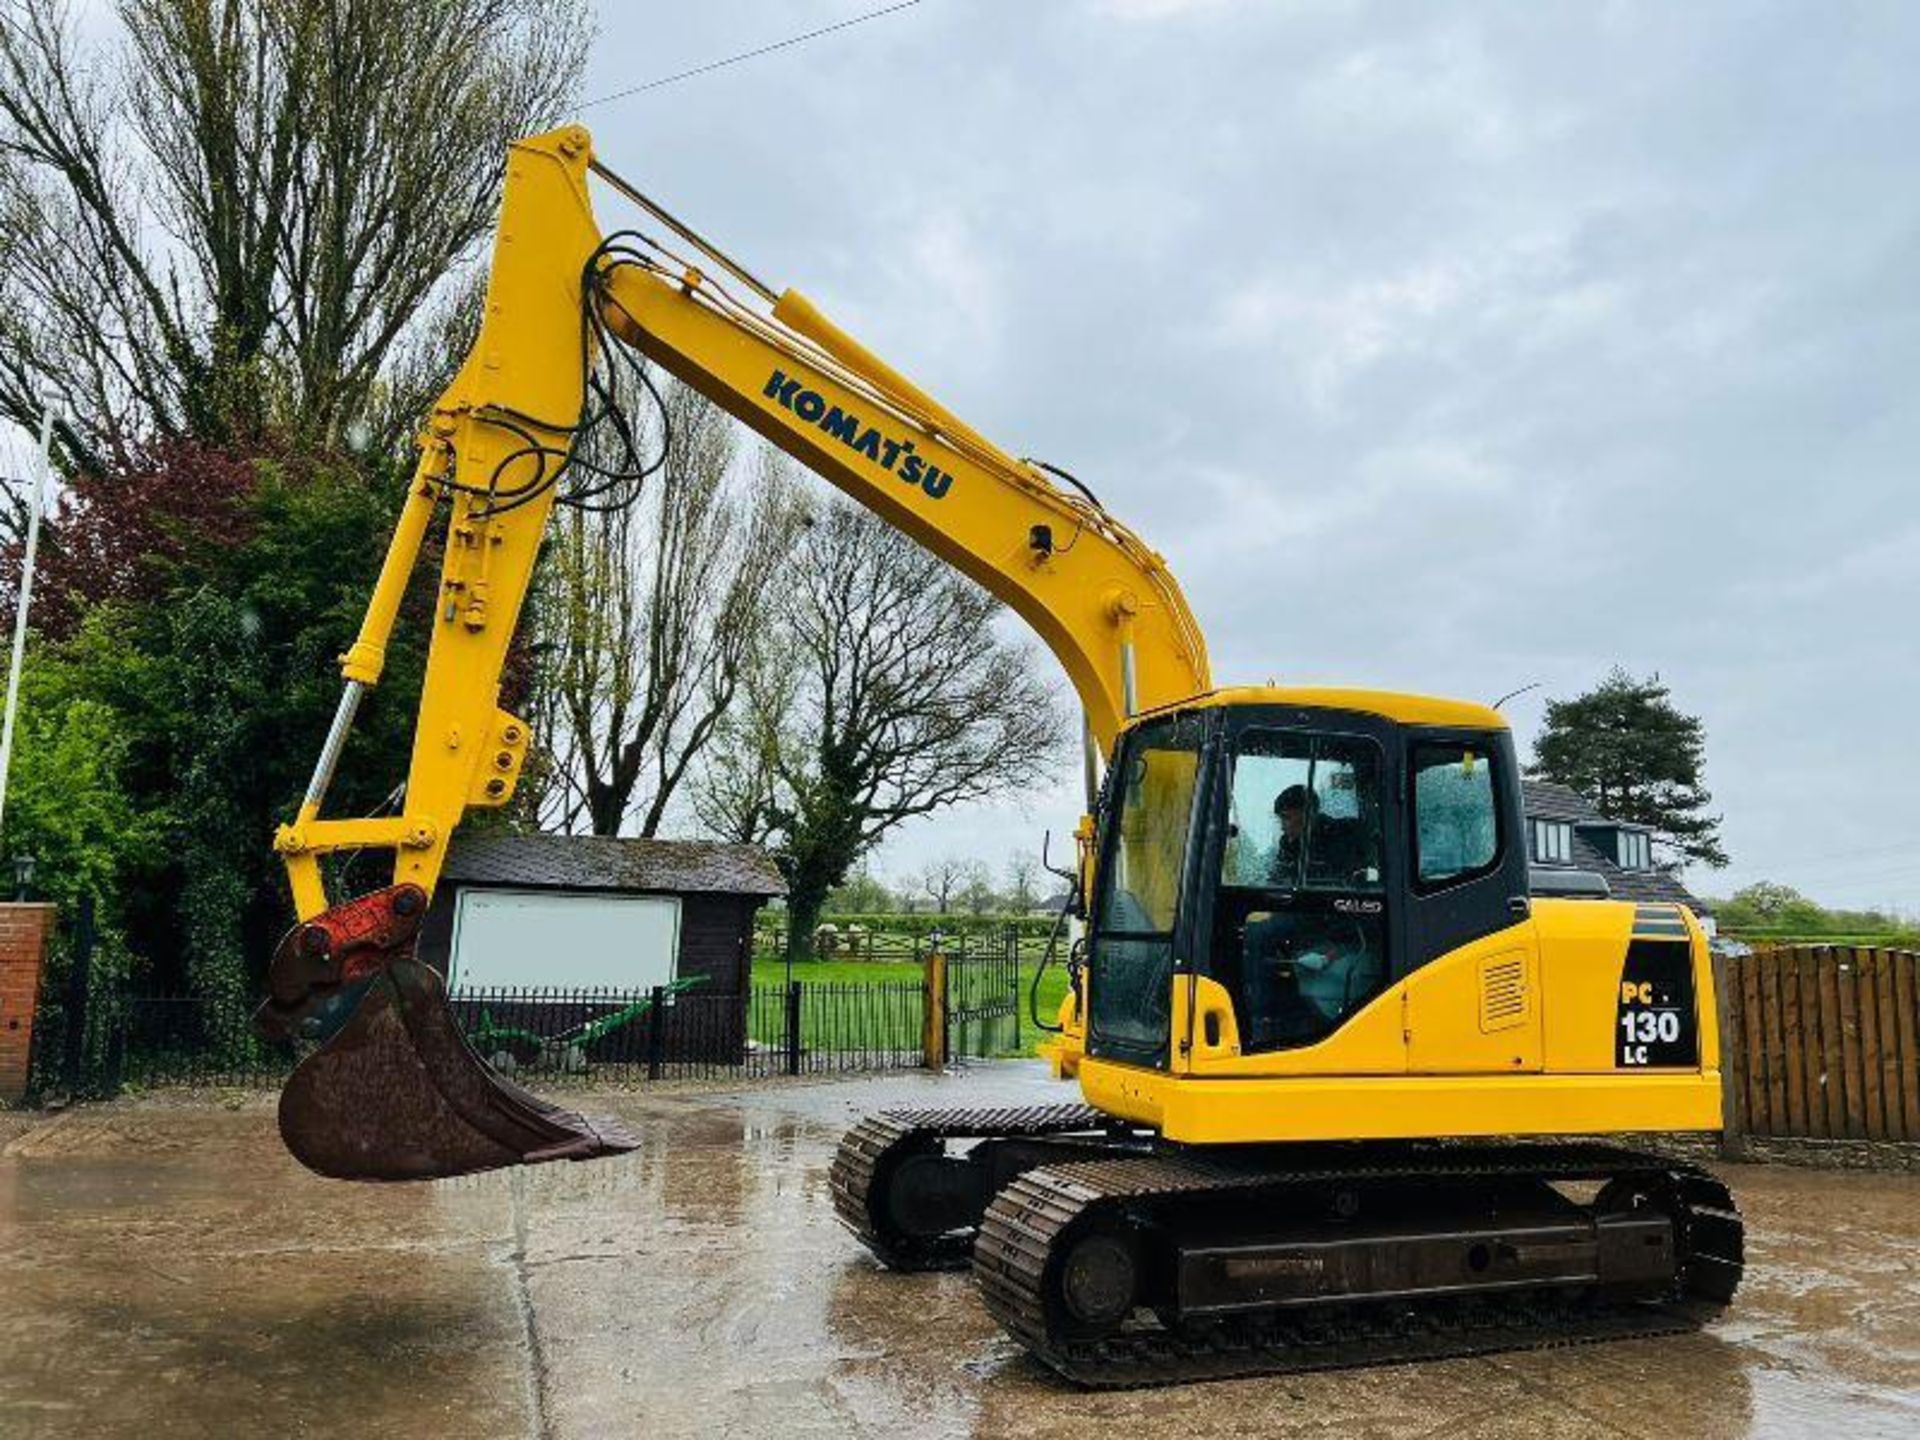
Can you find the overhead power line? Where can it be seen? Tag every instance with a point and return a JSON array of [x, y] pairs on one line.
[[785, 44]]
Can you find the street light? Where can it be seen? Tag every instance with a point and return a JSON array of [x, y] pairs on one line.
[[36, 502], [22, 875]]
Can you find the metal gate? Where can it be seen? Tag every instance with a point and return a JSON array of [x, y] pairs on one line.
[[983, 998]]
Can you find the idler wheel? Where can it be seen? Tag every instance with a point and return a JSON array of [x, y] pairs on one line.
[[1099, 1283]]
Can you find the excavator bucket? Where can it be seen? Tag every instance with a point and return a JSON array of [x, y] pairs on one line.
[[393, 1091]]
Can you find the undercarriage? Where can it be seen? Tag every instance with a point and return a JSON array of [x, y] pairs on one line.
[[1120, 1260]]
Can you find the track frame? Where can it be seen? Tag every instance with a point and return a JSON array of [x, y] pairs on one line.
[[1072, 1188]]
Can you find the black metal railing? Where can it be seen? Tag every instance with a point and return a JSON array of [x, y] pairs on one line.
[[127, 1041], [120, 1040], [808, 1027]]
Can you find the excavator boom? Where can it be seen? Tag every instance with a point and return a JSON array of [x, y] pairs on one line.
[[392, 1091]]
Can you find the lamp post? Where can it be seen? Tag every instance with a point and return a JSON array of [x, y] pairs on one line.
[[23, 876], [35, 500]]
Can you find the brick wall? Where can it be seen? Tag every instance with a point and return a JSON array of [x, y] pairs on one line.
[[23, 939]]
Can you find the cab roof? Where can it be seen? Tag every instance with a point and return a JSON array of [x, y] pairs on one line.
[[1394, 705]]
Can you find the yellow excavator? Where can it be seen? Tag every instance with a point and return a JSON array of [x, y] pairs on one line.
[[1341, 1073]]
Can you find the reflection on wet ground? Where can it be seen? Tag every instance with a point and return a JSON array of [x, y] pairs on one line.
[[166, 1269]]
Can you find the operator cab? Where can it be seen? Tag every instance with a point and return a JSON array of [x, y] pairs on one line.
[[1304, 857]]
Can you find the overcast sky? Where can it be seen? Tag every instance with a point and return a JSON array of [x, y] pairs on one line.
[[1449, 349], [1440, 348]]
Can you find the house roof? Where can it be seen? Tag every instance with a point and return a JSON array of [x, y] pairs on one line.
[[1632, 884], [1544, 800], [598, 862]]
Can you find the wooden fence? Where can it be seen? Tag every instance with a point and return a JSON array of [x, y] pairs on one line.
[[1819, 1042]]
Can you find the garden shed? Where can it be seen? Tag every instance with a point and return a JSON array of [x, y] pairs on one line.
[[561, 936], [579, 912]]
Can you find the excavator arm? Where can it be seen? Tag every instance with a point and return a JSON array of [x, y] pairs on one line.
[[392, 1091]]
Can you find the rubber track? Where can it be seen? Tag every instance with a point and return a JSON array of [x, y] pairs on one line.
[[1029, 1217], [867, 1151]]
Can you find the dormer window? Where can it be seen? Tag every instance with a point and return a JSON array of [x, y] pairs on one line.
[[1552, 842], [1635, 851]]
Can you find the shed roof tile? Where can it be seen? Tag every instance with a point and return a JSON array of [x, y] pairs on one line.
[[597, 862]]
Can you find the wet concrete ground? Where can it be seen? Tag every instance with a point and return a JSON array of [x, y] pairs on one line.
[[165, 1269]]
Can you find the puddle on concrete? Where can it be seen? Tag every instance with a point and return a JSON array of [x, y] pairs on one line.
[[167, 1269]]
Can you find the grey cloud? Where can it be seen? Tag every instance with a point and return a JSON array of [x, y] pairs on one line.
[[1444, 348]]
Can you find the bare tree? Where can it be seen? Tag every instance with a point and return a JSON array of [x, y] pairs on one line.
[[1023, 881], [942, 880], [245, 211], [646, 619], [737, 795], [888, 696], [864, 893], [976, 889]]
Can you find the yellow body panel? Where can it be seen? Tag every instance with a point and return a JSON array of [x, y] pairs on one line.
[[1580, 947], [1512, 1034], [1449, 1028], [1371, 1042], [1399, 1107]]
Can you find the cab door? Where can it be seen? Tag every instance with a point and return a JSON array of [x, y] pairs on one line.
[[1294, 917], [1142, 878], [1473, 990]]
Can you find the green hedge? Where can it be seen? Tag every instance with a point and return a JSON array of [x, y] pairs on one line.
[[1885, 939]]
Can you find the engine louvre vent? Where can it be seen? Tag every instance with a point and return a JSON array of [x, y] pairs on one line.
[[1505, 996]]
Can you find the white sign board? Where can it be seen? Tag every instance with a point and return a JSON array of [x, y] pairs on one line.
[[564, 940]]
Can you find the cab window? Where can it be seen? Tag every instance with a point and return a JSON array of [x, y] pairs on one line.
[[1455, 813], [1303, 813], [1300, 915], [1149, 820]]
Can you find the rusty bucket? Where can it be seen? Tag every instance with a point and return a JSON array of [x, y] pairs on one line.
[[393, 1091]]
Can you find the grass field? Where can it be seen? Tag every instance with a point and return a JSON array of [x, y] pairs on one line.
[[837, 1017], [770, 970]]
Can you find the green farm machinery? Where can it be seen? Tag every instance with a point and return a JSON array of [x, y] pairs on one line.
[[509, 1048]]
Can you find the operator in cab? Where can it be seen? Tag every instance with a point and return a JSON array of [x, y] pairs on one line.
[[1295, 806], [1307, 971], [1312, 848]]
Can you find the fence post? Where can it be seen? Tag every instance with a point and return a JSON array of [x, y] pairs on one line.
[[24, 931], [946, 1001], [793, 1027], [119, 1018], [656, 1031], [1013, 952], [933, 1027], [79, 982], [1733, 1062]]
